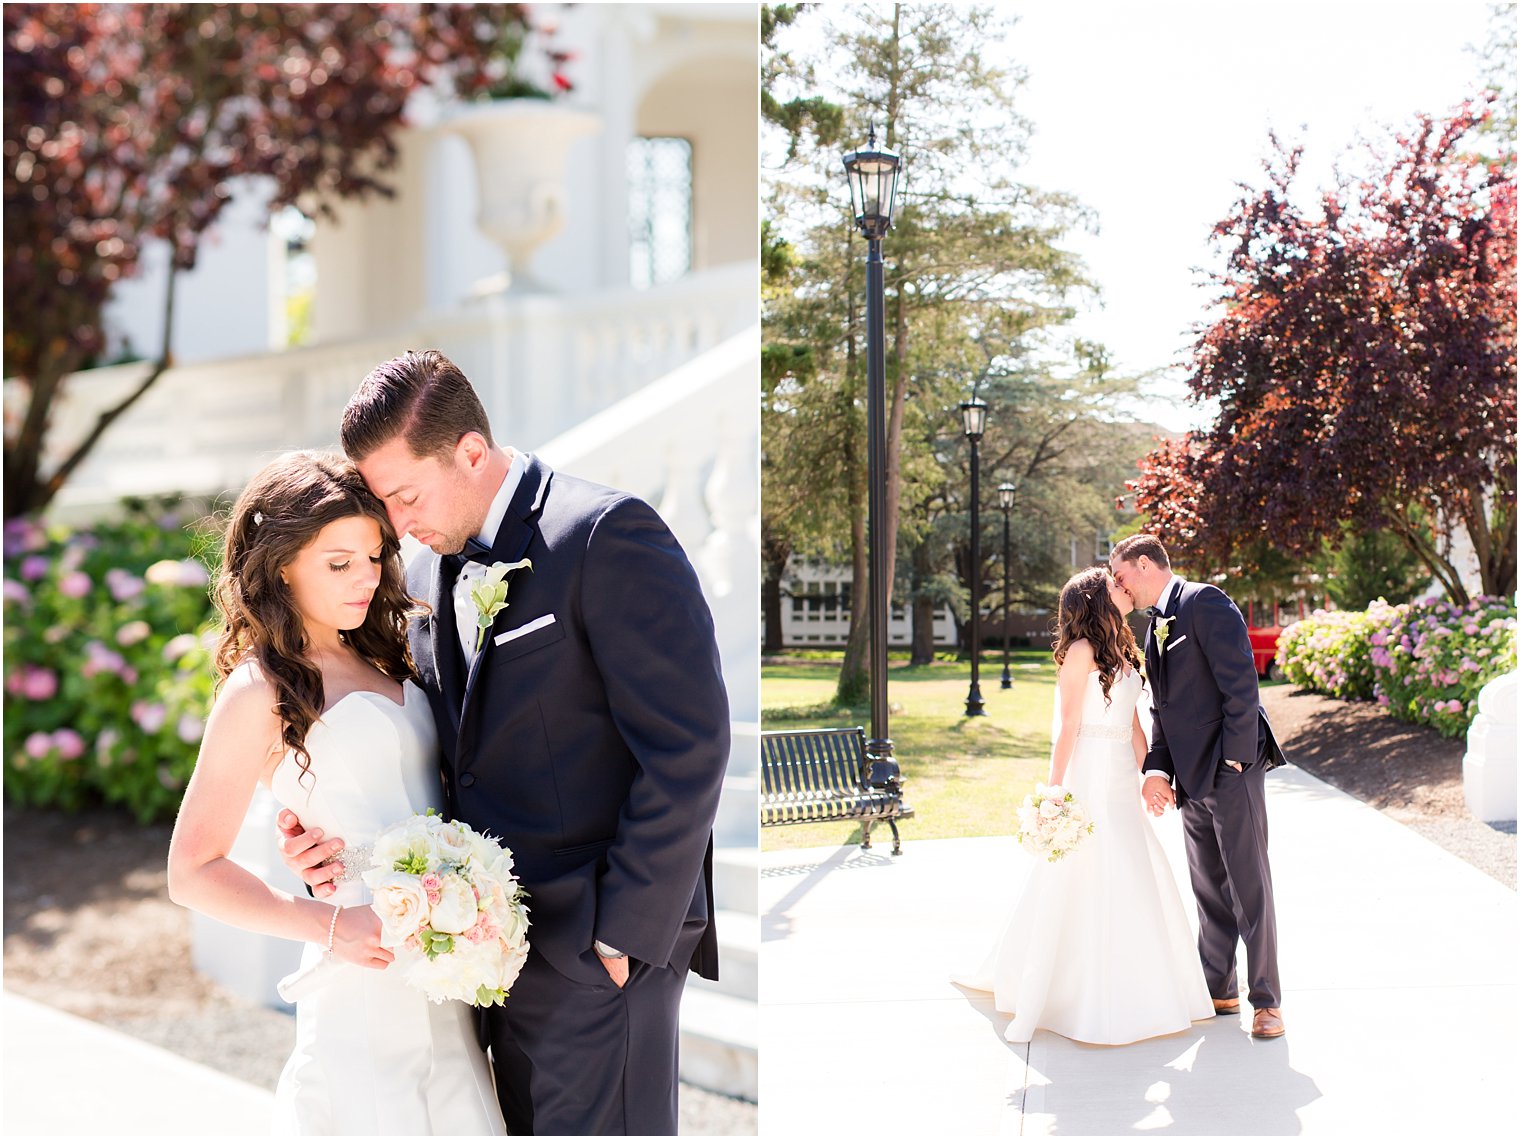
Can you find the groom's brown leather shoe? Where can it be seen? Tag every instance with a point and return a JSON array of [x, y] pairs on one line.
[[1267, 1023], [1229, 1004]]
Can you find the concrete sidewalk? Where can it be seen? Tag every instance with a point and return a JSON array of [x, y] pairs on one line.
[[65, 1075], [1398, 962]]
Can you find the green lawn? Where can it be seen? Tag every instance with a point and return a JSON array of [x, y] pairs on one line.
[[963, 775]]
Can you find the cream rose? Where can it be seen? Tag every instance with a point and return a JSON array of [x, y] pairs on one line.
[[401, 903], [456, 907]]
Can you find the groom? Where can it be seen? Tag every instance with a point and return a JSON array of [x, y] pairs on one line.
[[1211, 747], [587, 728]]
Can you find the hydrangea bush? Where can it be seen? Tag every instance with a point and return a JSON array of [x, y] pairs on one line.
[[107, 664], [1431, 658], [1425, 661], [1331, 651]]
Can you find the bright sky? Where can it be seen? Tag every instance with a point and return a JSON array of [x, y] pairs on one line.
[[1150, 113]]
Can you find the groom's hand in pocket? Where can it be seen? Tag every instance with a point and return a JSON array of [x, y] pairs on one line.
[[617, 969], [308, 856]]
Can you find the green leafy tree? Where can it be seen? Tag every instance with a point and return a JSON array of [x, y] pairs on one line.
[[975, 256]]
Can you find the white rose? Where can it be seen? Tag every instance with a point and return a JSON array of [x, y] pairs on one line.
[[1049, 809], [402, 906], [452, 844], [456, 908]]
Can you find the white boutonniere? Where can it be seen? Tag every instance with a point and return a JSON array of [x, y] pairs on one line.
[[1163, 627], [490, 595]]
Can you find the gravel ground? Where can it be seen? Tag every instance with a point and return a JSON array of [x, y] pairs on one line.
[[90, 930]]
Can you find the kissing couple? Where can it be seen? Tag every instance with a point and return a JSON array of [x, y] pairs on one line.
[[1097, 947], [584, 724]]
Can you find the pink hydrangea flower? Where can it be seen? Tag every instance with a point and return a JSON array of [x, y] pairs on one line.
[[16, 593], [190, 728], [149, 716], [124, 586], [68, 743], [39, 683], [179, 646], [34, 568], [38, 745], [75, 584], [133, 632]]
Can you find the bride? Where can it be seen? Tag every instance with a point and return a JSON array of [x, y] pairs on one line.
[[317, 702], [1097, 947]]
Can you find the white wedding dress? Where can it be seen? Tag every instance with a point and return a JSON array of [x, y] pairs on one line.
[[374, 1056], [1097, 947]]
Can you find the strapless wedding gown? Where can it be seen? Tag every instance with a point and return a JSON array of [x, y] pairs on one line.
[[374, 1056], [1098, 947]]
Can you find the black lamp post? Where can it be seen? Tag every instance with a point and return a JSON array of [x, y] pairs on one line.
[[974, 416], [1005, 503], [872, 175]]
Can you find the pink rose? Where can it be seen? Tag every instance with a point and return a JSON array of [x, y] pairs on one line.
[[68, 743], [16, 593], [38, 745]]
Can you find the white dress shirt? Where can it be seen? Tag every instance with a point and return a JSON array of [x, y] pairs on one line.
[[466, 617], [1162, 600]]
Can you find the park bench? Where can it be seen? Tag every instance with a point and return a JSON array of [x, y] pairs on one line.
[[819, 775]]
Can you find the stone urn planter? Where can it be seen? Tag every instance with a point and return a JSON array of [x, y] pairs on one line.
[[1488, 768], [521, 148]]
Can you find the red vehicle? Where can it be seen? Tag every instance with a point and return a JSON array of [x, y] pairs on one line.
[[1264, 647], [1264, 635], [1264, 625]]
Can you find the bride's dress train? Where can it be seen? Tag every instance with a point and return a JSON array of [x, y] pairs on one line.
[[374, 1056], [1098, 947]]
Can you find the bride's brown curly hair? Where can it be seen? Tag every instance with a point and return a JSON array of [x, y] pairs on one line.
[[1087, 613], [280, 512]]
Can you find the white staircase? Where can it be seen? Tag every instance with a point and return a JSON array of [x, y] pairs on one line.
[[689, 445]]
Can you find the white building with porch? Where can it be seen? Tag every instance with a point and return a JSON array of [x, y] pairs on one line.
[[592, 265]]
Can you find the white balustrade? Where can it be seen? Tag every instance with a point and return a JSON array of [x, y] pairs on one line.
[[543, 364]]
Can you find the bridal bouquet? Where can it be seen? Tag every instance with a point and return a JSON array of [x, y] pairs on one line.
[[450, 908], [1052, 822]]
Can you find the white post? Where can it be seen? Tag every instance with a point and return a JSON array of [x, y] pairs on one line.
[[1488, 768]]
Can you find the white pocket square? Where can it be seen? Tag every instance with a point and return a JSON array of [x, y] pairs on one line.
[[524, 630], [1166, 648]]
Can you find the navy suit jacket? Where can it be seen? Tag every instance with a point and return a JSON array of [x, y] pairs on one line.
[[1206, 706], [594, 744]]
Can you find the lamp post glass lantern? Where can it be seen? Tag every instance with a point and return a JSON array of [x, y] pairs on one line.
[[872, 174], [974, 420], [1005, 503]]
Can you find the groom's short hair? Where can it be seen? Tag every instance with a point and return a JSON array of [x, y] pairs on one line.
[[1138, 546], [422, 397]]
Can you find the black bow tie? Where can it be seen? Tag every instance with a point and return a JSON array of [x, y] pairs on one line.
[[474, 551], [1154, 611]]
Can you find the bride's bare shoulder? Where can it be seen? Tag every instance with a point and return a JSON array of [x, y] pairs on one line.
[[1080, 657]]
